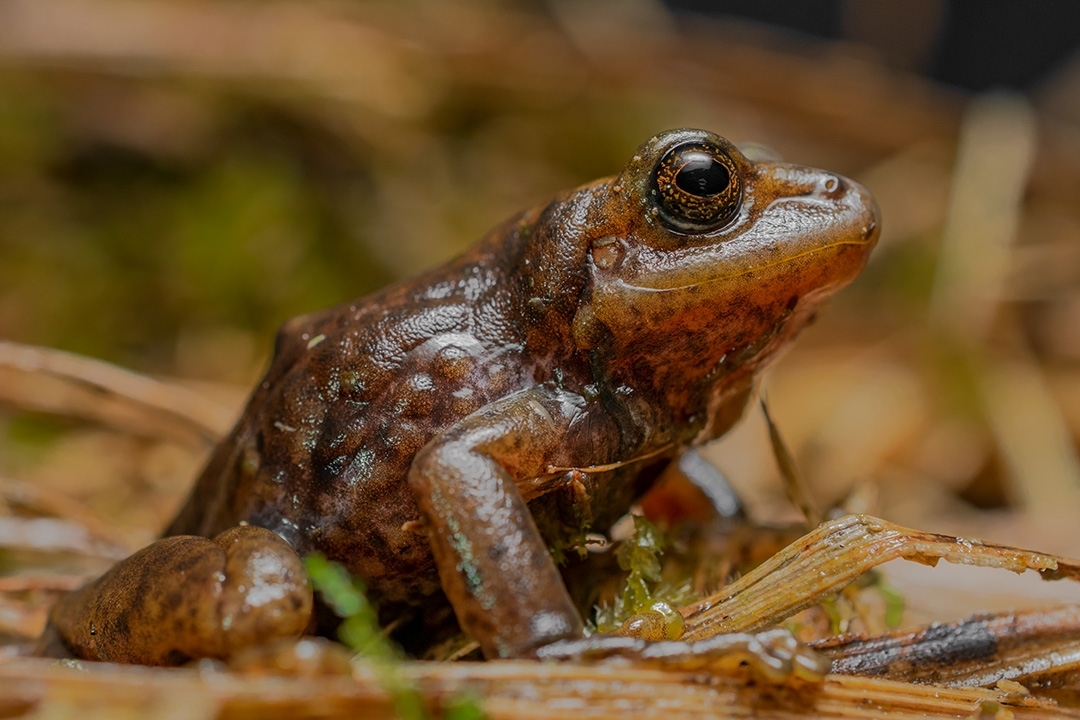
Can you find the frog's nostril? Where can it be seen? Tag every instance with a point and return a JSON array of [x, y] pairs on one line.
[[871, 228], [834, 187]]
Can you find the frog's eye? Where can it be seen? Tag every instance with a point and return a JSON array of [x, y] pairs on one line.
[[697, 187]]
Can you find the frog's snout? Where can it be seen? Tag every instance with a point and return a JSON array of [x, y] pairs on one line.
[[871, 213], [871, 232], [854, 207], [839, 202]]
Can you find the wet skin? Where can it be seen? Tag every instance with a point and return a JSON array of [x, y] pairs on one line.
[[439, 436]]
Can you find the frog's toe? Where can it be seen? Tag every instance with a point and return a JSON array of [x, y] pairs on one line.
[[774, 656]]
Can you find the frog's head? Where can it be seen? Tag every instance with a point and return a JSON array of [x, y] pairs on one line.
[[703, 264]]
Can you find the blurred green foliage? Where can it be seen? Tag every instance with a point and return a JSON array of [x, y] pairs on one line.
[[117, 241], [107, 249]]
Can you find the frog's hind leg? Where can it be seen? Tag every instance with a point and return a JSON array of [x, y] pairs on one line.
[[185, 598], [692, 487]]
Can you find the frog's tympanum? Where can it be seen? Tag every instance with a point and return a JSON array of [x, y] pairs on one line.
[[440, 436]]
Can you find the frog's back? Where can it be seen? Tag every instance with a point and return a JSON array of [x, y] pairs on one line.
[[322, 452]]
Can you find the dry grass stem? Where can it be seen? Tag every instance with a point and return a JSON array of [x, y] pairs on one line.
[[139, 404]]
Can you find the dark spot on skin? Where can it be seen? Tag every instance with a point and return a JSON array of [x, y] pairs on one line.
[[334, 468], [175, 657], [471, 619], [173, 600], [120, 626], [189, 561]]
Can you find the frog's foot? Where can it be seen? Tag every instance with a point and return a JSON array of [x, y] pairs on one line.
[[185, 598], [774, 655]]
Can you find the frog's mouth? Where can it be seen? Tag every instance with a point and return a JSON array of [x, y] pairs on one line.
[[751, 289], [806, 256], [813, 237]]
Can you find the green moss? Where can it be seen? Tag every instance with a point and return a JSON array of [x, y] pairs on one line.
[[639, 556]]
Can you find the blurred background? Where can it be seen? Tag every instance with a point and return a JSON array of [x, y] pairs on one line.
[[179, 177]]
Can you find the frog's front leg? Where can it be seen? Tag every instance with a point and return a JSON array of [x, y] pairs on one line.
[[471, 482]]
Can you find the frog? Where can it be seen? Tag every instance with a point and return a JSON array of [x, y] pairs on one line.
[[445, 436]]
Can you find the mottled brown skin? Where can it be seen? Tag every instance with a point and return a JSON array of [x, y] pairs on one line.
[[437, 437], [242, 588]]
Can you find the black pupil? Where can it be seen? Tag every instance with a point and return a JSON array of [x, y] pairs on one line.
[[700, 175]]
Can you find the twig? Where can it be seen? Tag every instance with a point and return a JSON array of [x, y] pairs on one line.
[[509, 690], [831, 557], [43, 501], [140, 403], [26, 583]]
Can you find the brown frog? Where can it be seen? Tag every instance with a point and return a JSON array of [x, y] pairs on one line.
[[439, 436]]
